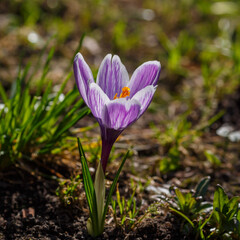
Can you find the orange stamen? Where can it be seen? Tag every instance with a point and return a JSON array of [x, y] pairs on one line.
[[125, 93], [115, 97]]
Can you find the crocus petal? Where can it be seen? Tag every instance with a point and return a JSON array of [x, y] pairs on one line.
[[97, 99], [83, 76], [146, 74], [112, 76], [144, 97], [120, 113]]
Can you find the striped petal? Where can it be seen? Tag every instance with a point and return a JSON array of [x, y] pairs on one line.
[[97, 99], [112, 76], [120, 113], [145, 75], [83, 76], [144, 97]]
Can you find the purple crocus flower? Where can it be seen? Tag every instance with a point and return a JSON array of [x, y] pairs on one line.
[[115, 101]]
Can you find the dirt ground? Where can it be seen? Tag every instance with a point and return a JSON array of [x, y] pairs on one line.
[[30, 209]]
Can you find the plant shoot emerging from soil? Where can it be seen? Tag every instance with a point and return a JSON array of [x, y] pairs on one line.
[[116, 102]]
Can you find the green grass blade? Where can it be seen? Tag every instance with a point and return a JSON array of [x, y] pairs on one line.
[[180, 198], [77, 50], [202, 187], [220, 198], [109, 197], [3, 93], [63, 127], [40, 56], [206, 221], [45, 70], [87, 179], [36, 121], [182, 215], [232, 207], [99, 186], [55, 101], [90, 193]]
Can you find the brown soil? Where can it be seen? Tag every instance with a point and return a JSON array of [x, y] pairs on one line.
[[30, 209]]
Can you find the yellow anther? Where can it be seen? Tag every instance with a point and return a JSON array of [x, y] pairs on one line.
[[115, 97], [125, 93]]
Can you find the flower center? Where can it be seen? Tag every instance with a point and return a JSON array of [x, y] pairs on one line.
[[125, 93]]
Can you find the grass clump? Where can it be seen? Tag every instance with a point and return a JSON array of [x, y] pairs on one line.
[[35, 124]]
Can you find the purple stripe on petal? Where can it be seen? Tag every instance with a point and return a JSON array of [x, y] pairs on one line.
[[112, 76], [145, 75], [144, 97], [120, 113], [83, 76], [97, 99]]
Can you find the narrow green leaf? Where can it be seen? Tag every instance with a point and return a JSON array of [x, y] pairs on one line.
[[40, 55], [123, 203], [191, 203], [87, 179], [99, 186], [232, 207], [180, 198], [119, 201], [36, 121], [212, 158], [45, 70], [24, 75], [55, 101], [220, 198], [202, 187], [13, 90], [182, 215], [123, 219], [72, 121], [216, 117], [94, 226], [206, 221], [113, 186], [131, 200], [3, 94], [77, 50], [90, 227], [202, 226], [63, 127]]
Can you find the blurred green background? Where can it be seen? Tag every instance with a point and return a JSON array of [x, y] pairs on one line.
[[185, 35], [196, 41]]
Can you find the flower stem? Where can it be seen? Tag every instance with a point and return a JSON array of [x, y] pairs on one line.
[[106, 149]]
